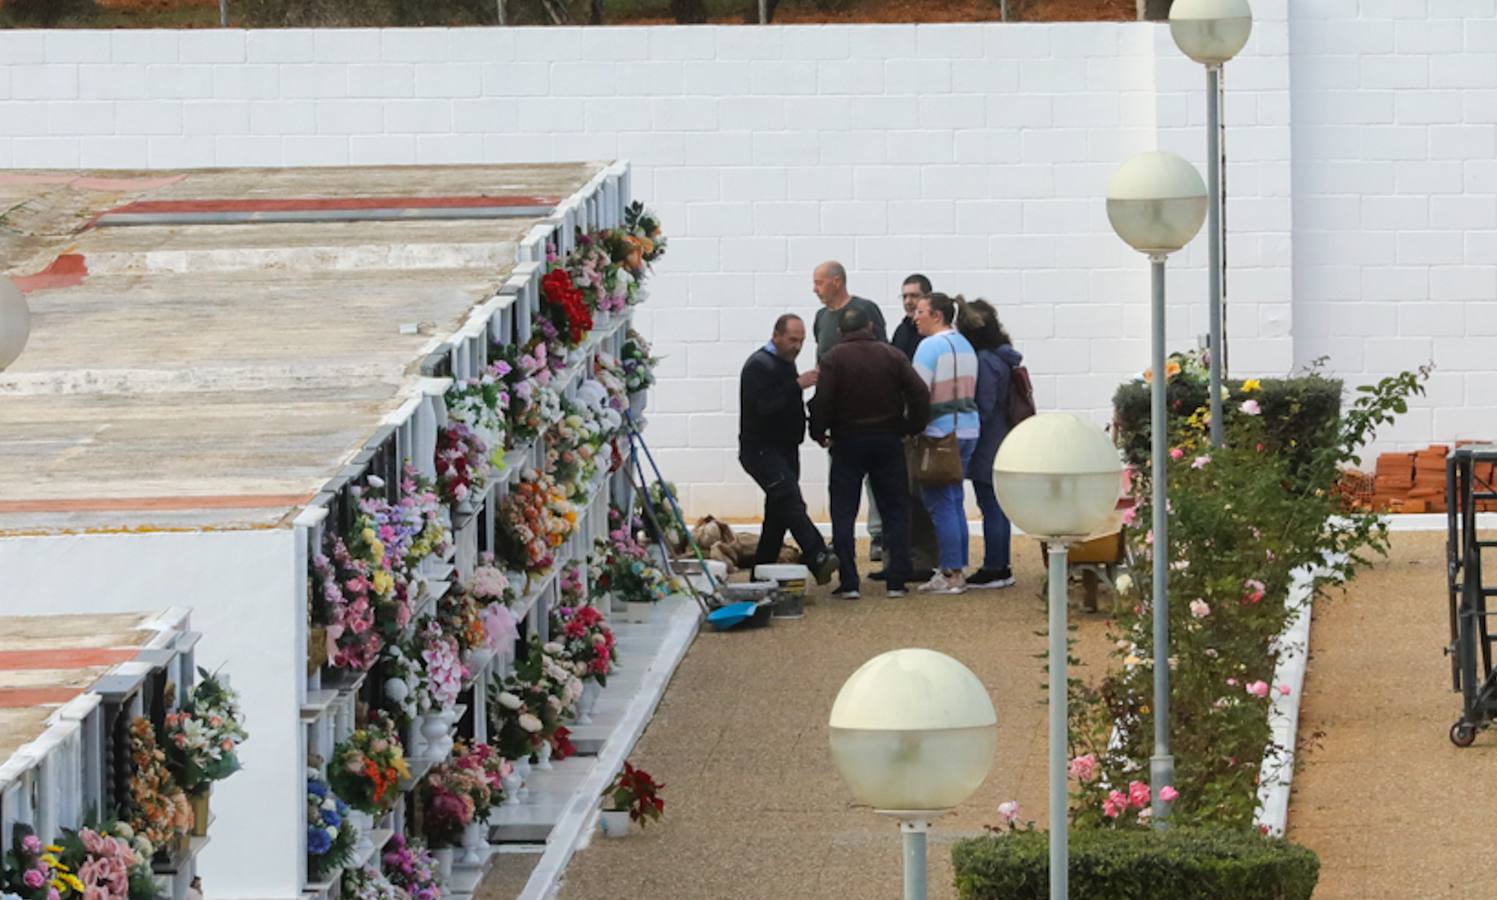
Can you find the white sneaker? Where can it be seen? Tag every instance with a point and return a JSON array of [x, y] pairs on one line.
[[941, 583]]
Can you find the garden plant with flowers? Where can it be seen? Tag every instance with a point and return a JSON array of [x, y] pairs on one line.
[[344, 602], [411, 868], [330, 838], [531, 703], [157, 808], [634, 790], [529, 530], [482, 405], [638, 363], [460, 616], [486, 763], [203, 735], [452, 796], [1244, 518], [366, 769], [462, 462], [563, 304], [110, 860]]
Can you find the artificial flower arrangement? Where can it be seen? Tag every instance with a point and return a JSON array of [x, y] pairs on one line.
[[482, 404], [460, 615], [111, 861], [609, 372], [158, 808], [441, 663], [534, 402], [411, 868], [369, 883], [634, 790], [623, 568], [564, 305], [605, 284], [587, 640], [486, 763], [532, 702], [330, 837], [462, 461], [344, 602], [573, 584], [366, 769], [31, 869], [637, 362], [493, 594], [451, 797], [402, 674], [527, 533], [203, 735], [634, 245]]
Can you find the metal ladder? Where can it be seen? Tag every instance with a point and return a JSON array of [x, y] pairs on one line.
[[1471, 640]]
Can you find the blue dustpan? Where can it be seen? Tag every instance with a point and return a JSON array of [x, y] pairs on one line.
[[732, 614]]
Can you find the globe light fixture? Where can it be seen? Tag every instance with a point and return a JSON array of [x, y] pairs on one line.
[[15, 323], [1156, 202], [1212, 32], [1058, 478], [913, 733]]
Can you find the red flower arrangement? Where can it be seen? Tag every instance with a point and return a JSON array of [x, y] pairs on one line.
[[563, 296]]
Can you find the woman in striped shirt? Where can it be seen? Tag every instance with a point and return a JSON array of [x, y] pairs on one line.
[[948, 364]]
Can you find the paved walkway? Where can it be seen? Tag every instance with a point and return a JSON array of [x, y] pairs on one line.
[[1393, 809], [754, 807]]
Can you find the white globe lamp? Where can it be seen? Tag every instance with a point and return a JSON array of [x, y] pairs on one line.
[[1211, 31]]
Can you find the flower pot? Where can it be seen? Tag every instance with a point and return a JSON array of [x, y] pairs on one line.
[[199, 801], [616, 603], [444, 857], [637, 401], [434, 731], [614, 822], [363, 824], [512, 784], [522, 766], [543, 757], [415, 744], [638, 613], [474, 843], [587, 701]]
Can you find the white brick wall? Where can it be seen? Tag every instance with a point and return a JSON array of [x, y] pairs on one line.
[[1395, 203], [1361, 181]]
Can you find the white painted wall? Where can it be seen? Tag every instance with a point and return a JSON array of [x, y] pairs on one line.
[[240, 587], [977, 154]]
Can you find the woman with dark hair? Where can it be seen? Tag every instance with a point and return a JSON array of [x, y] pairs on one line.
[[948, 364], [996, 358]]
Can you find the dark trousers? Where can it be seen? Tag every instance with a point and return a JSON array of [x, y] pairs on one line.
[[776, 469], [924, 552], [879, 458]]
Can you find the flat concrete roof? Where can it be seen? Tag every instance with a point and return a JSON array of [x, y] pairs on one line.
[[208, 375]]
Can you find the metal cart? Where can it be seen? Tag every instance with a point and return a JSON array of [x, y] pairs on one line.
[[1468, 487]]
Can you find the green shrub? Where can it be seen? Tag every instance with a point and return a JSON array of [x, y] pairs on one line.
[[310, 13], [1138, 864], [1299, 414], [48, 12]]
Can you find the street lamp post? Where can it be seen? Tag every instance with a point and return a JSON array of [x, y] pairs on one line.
[[1156, 202], [15, 323], [913, 734], [1212, 32], [1057, 476]]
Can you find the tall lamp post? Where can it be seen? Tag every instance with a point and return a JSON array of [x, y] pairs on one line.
[[1212, 32], [913, 734], [15, 323], [1057, 476], [1156, 202]]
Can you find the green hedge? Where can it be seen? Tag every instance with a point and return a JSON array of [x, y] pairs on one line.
[[48, 12], [1176, 864], [1303, 410], [314, 13]]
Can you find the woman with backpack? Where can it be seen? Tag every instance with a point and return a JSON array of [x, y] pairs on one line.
[[996, 382]]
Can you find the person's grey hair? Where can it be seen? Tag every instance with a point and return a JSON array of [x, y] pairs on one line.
[[835, 270], [853, 320]]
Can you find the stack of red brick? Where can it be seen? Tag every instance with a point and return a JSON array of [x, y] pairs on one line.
[[1415, 482]]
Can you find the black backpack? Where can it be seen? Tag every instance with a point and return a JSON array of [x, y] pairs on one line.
[[1020, 395]]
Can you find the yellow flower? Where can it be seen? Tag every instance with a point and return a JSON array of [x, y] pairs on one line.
[[378, 549], [1252, 384], [368, 536], [1143, 710], [383, 583], [1130, 660]]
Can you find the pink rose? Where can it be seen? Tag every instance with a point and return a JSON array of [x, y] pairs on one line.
[[1084, 768], [1114, 805], [1168, 794], [1138, 794], [1284, 690], [1258, 689], [1176, 453], [1199, 609], [31, 844], [1253, 591], [1250, 407], [1008, 811], [34, 878]]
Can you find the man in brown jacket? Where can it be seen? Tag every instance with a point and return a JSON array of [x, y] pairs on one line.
[[868, 398]]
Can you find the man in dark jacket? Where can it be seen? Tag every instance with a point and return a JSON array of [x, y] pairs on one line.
[[868, 398], [771, 427], [906, 336]]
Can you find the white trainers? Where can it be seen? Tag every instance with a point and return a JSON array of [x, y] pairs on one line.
[[941, 583]]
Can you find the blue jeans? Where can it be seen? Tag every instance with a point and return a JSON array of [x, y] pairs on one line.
[[996, 530], [949, 516]]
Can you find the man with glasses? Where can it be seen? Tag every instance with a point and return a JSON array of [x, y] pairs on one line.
[[923, 552]]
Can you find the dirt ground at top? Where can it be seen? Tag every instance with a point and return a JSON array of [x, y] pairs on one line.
[[790, 12]]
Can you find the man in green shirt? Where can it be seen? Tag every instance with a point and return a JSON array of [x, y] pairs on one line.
[[829, 282]]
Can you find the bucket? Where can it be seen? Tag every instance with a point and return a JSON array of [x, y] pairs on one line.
[[692, 571], [792, 579], [789, 606]]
